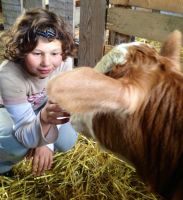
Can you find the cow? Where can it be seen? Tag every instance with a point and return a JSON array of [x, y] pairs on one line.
[[131, 102]]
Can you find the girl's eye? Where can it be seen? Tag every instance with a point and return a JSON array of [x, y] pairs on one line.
[[36, 53], [56, 54]]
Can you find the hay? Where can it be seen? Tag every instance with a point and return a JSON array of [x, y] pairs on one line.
[[83, 173]]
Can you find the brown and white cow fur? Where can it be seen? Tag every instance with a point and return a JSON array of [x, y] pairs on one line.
[[132, 103]]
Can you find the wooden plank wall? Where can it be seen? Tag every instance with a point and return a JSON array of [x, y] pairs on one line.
[[10, 10], [168, 5], [92, 28], [33, 4], [153, 26], [64, 8], [68, 9]]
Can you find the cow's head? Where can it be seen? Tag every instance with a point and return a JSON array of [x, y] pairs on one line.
[[120, 80], [132, 103]]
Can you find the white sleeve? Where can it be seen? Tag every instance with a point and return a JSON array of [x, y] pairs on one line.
[[67, 64], [27, 126], [50, 146]]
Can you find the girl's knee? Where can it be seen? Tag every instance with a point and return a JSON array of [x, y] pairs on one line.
[[6, 123], [11, 149]]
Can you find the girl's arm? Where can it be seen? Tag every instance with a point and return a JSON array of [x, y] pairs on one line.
[[28, 128]]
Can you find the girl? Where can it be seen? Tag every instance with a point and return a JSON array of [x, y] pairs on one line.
[[37, 47]]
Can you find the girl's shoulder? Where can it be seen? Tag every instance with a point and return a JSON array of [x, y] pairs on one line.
[[8, 68], [12, 84]]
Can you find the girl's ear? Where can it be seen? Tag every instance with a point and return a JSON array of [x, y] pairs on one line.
[[172, 46]]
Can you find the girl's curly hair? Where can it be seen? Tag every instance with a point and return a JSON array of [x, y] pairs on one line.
[[22, 37]]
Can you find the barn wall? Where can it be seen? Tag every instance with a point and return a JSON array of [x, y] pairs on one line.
[[170, 5], [64, 8], [33, 3], [153, 26], [10, 10], [152, 20]]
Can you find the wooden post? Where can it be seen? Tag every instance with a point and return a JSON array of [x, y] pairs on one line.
[[92, 29]]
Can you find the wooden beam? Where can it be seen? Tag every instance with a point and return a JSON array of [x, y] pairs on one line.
[[119, 2], [92, 28], [148, 25], [167, 5]]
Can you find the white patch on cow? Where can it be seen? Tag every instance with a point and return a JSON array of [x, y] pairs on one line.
[[126, 45], [116, 56]]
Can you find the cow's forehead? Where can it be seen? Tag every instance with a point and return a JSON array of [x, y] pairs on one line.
[[117, 55], [125, 46], [120, 52]]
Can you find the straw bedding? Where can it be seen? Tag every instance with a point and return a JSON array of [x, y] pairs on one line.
[[85, 172]]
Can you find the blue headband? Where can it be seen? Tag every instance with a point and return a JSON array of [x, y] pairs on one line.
[[48, 33]]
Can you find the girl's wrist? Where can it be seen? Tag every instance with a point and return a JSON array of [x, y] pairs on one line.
[[44, 124], [42, 118]]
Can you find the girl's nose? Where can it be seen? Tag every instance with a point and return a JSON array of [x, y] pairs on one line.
[[45, 60]]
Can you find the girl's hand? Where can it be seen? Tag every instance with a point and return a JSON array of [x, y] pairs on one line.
[[42, 160], [53, 114]]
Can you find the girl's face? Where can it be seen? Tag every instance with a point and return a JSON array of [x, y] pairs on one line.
[[45, 58]]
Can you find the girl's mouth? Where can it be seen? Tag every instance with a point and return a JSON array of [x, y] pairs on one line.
[[44, 71]]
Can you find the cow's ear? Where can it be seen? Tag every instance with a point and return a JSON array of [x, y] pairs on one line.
[[172, 46]]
